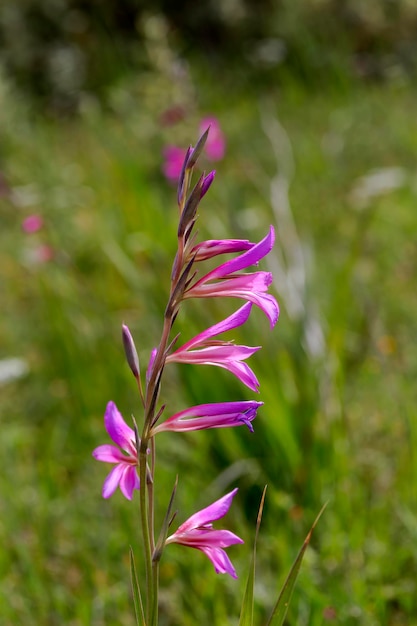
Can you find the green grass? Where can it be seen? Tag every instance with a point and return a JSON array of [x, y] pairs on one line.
[[337, 425]]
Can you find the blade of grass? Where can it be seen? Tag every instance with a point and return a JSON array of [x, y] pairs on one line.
[[137, 598], [280, 609], [246, 614]]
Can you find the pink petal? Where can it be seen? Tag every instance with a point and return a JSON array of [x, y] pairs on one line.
[[112, 481], [251, 257], [129, 481], [250, 287], [212, 512], [214, 354], [222, 563], [217, 415], [243, 372], [109, 454], [213, 247], [118, 430], [233, 321], [226, 356]]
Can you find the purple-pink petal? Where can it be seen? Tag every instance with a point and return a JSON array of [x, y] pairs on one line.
[[123, 476], [251, 287], [248, 258], [233, 321], [218, 415], [243, 372], [112, 481], [221, 562], [223, 352], [214, 511], [213, 247], [118, 430], [197, 532], [129, 481], [227, 356], [109, 454]]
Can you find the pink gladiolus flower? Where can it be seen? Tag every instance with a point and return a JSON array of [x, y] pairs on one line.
[[174, 158], [124, 474], [198, 532], [221, 353], [216, 144], [32, 223], [229, 282], [219, 415]]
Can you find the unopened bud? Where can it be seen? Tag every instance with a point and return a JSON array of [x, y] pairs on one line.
[[130, 351], [198, 149], [181, 181], [188, 215], [207, 182]]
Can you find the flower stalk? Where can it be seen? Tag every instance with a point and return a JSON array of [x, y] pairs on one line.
[[135, 456]]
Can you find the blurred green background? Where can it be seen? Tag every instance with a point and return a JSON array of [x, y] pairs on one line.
[[318, 104]]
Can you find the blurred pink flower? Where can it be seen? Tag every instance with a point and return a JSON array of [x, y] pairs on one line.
[[32, 223], [43, 254], [174, 158], [198, 532], [216, 144], [214, 148]]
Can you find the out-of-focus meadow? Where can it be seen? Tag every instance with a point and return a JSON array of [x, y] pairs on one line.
[[318, 107]]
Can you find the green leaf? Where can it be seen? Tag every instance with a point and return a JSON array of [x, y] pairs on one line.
[[280, 609], [246, 613], [137, 598]]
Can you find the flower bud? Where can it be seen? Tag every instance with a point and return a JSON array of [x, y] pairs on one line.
[[130, 351]]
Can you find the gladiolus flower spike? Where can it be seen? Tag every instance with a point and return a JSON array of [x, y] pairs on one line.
[[124, 475], [198, 532]]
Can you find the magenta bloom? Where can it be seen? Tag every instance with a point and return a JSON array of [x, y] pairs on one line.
[[218, 415], [216, 144], [221, 353], [32, 223], [198, 532], [124, 474], [172, 166], [225, 280]]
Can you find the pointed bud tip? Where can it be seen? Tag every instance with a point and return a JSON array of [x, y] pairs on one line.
[[130, 351]]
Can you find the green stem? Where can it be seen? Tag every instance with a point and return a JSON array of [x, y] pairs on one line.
[[151, 495], [155, 581], [150, 592]]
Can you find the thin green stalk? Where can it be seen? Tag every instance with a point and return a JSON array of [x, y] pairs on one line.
[[145, 531], [155, 582], [151, 498]]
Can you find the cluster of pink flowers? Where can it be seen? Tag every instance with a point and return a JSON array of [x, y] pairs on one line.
[[228, 279]]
